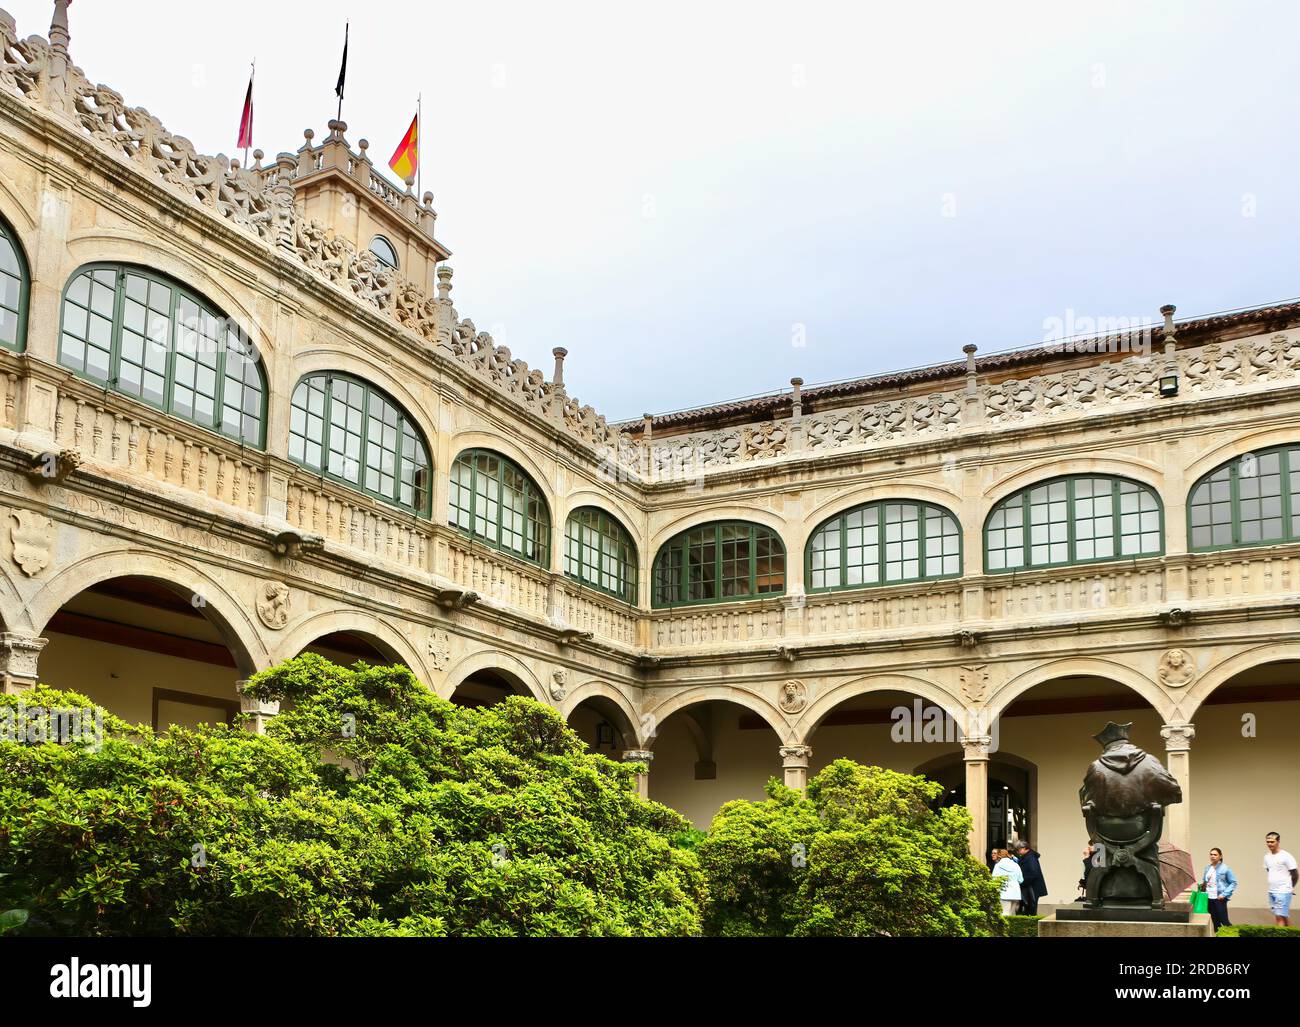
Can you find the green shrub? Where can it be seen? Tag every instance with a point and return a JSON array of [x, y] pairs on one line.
[[1258, 931], [862, 854], [1022, 926], [371, 807]]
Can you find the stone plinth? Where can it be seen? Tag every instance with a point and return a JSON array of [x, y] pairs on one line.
[[1197, 925]]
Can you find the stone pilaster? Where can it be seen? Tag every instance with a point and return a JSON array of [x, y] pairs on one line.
[[1178, 754], [976, 754], [794, 763], [18, 656], [642, 756]]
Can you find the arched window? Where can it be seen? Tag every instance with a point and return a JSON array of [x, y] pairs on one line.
[[883, 543], [724, 561], [599, 552], [385, 251], [14, 288], [1249, 501], [493, 500], [348, 430], [1073, 520], [145, 336]]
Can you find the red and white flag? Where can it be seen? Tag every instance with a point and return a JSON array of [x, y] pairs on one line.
[[246, 122]]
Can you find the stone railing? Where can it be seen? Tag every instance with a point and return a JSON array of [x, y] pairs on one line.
[[897, 607], [605, 617], [1074, 590], [260, 201], [121, 435], [1244, 573], [1259, 362], [476, 567], [689, 626], [367, 527]]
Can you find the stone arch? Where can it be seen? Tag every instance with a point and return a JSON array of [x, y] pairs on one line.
[[610, 504], [97, 245], [775, 719], [1145, 472], [603, 689], [728, 512], [389, 639], [806, 726], [1228, 450], [510, 667], [17, 212], [1111, 670], [221, 606], [1185, 705]]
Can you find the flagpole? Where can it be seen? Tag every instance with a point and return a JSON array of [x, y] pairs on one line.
[[347, 30], [251, 79], [419, 131]]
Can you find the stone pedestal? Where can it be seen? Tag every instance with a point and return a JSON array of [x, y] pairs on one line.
[[642, 756], [1197, 925]]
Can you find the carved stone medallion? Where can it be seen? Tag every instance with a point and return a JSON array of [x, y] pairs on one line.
[[974, 683], [794, 697], [1177, 669], [273, 604], [558, 681]]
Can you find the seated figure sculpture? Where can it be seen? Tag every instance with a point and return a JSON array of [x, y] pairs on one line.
[[1123, 799]]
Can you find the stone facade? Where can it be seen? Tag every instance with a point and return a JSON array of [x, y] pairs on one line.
[[278, 556]]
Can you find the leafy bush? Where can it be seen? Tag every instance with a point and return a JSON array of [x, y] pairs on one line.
[[1022, 926], [1258, 931], [862, 854], [371, 807]]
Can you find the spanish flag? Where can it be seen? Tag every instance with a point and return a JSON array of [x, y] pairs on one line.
[[406, 161]]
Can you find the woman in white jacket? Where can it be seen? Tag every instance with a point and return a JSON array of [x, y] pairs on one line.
[[1009, 870]]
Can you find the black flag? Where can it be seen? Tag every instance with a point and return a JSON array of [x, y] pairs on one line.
[[343, 70]]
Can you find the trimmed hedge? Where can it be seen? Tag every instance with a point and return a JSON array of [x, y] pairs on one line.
[[1022, 926], [1258, 931]]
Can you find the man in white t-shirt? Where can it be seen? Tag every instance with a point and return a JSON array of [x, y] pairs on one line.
[[1282, 875]]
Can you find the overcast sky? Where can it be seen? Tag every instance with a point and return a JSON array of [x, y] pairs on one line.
[[700, 200]]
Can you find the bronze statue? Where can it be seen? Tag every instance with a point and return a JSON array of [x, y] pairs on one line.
[[1123, 798]]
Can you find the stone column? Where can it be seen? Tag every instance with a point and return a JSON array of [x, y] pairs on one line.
[[976, 754], [1178, 752], [262, 711], [794, 761], [643, 778], [18, 656]]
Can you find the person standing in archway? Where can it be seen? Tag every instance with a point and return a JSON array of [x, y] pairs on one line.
[[1035, 886]]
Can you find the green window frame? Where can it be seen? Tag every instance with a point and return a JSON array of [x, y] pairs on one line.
[[1251, 500], [344, 428], [885, 542], [1077, 519], [598, 551], [146, 336], [15, 291], [493, 499], [719, 562]]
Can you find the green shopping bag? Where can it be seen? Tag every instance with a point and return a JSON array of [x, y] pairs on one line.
[[1200, 902]]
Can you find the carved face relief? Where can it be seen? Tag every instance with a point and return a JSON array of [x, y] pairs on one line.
[[1176, 669], [794, 697], [273, 604], [32, 535], [558, 680]]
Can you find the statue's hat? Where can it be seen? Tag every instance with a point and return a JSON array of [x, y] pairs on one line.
[[1113, 732]]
